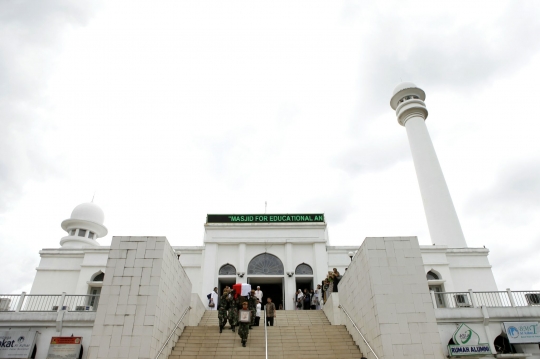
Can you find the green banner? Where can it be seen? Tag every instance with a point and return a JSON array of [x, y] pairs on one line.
[[265, 218]]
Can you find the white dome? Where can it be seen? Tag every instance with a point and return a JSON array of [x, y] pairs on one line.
[[88, 212], [403, 86], [406, 89]]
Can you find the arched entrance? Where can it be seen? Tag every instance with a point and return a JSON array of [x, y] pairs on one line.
[[266, 270], [226, 277]]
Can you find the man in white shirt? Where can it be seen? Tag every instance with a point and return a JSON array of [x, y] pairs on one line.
[[212, 299], [258, 313], [259, 294]]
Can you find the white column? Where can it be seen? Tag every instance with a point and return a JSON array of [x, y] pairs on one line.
[[321, 263], [242, 268], [209, 270], [442, 219], [290, 282]]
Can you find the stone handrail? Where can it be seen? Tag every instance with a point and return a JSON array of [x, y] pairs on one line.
[[358, 330], [172, 332], [265, 335]]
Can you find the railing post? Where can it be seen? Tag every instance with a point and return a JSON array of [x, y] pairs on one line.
[[512, 302], [433, 299], [21, 300], [61, 301], [473, 299]]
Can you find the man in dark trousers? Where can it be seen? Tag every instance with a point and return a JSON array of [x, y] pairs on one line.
[[252, 305], [243, 327], [270, 312]]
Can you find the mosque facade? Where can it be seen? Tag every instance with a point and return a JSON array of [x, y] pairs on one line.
[[279, 252], [426, 297]]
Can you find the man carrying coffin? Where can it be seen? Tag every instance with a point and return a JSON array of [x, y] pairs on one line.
[[233, 300], [252, 305], [223, 306], [244, 322]]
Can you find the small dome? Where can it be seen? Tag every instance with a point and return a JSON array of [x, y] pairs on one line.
[[403, 86], [88, 212], [406, 89]]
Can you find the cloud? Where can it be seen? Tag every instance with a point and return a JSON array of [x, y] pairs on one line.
[[30, 36], [513, 198], [439, 48]]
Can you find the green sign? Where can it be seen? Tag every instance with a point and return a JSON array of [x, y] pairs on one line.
[[265, 218]]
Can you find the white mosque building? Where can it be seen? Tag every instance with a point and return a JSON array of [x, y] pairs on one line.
[[453, 284]]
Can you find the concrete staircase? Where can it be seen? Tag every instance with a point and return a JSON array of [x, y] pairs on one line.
[[296, 334]]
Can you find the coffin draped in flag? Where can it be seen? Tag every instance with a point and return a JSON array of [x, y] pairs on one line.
[[241, 289]]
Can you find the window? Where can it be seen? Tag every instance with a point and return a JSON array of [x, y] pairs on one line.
[[267, 264], [227, 269], [99, 277], [303, 269], [432, 276], [82, 232], [93, 298], [91, 235], [439, 295], [72, 233]]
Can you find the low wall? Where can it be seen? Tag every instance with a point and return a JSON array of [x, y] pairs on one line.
[[144, 294], [332, 311], [197, 310]]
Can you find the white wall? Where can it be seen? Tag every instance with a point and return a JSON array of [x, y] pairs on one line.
[[68, 270]]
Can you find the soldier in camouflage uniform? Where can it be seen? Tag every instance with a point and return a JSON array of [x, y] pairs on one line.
[[252, 305], [233, 309], [222, 310], [243, 329]]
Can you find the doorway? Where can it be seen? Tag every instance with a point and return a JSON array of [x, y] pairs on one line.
[[304, 283], [223, 282], [271, 287]]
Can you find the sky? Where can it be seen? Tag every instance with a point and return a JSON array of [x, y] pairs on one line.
[[166, 111]]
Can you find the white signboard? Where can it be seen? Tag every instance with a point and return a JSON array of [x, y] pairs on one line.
[[64, 348], [467, 342], [522, 332], [17, 344]]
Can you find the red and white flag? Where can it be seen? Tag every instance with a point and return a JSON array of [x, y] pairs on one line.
[[241, 289]]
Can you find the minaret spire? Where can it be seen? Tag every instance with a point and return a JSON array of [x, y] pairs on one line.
[[442, 219]]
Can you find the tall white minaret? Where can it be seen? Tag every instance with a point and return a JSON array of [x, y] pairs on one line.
[[442, 219]]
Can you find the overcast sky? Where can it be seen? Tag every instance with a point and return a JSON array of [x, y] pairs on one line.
[[168, 111]]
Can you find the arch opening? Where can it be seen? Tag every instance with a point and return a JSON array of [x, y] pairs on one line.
[[227, 269], [431, 275], [98, 277], [265, 264], [303, 269]]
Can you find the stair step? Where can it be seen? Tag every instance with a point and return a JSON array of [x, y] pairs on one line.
[[296, 334]]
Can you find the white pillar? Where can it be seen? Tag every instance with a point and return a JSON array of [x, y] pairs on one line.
[[242, 266], [442, 219], [209, 270], [290, 282], [320, 263]]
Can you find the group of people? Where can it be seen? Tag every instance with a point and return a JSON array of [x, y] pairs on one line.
[[315, 299], [240, 311], [330, 284], [307, 300]]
